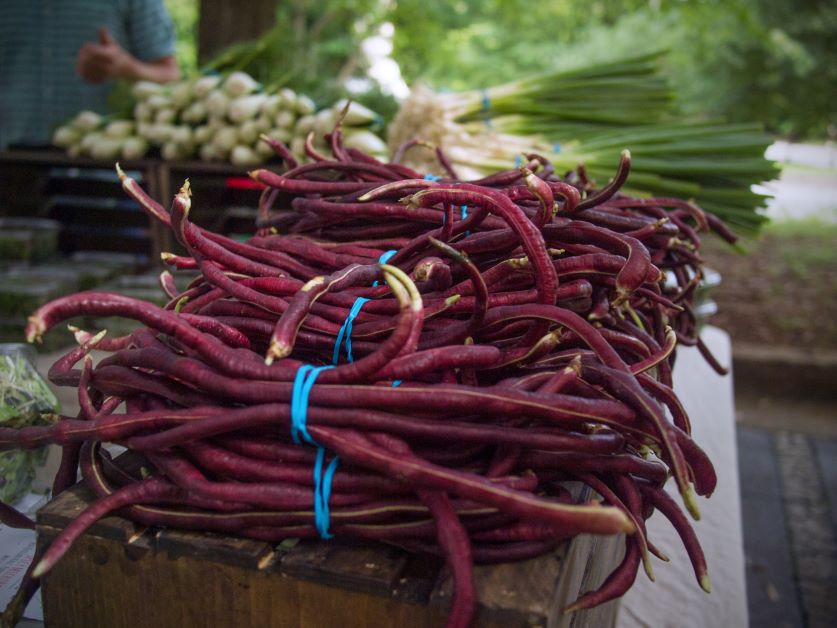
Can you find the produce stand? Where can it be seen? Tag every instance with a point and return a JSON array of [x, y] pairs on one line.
[[67, 225], [122, 574], [47, 183], [593, 403]]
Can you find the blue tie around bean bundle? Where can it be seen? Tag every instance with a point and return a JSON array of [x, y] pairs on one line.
[[303, 383], [346, 330]]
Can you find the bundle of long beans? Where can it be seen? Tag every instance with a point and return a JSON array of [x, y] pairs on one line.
[[464, 348], [586, 115]]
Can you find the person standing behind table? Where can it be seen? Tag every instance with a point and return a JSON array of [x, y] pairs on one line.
[[58, 57]]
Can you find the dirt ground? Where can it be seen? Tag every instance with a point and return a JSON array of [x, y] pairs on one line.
[[783, 291]]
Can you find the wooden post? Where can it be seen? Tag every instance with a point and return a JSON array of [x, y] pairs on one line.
[[225, 22]]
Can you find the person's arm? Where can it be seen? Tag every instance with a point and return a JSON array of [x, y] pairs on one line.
[[106, 59]]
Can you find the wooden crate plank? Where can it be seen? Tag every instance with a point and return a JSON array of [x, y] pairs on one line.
[[358, 566], [97, 578], [63, 509], [418, 579], [511, 594], [214, 547], [533, 592]]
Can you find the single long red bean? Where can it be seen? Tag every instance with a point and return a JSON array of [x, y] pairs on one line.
[[661, 500], [453, 539], [616, 584], [147, 491]]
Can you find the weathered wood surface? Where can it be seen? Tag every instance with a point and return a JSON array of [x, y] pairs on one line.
[[120, 574]]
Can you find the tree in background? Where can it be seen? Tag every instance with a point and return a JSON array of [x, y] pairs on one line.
[[312, 46], [469, 44], [770, 61], [184, 15]]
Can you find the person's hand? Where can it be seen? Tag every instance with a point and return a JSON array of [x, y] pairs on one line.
[[103, 60]]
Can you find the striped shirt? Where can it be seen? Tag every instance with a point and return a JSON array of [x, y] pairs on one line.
[[39, 41]]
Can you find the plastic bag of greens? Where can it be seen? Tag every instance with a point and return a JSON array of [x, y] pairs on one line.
[[25, 399]]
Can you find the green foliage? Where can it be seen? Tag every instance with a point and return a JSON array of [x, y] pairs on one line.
[[808, 246], [184, 15], [25, 400], [313, 46], [783, 68], [767, 61], [471, 44], [382, 103], [752, 60], [813, 228]]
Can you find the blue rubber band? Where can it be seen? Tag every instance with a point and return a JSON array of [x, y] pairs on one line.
[[486, 102], [322, 492], [385, 257], [518, 161], [299, 414], [304, 380], [556, 147], [303, 383], [486, 108], [346, 330], [431, 177]]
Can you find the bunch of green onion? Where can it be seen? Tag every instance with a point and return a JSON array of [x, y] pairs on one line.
[[587, 115]]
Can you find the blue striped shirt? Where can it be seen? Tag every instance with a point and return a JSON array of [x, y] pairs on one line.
[[39, 41]]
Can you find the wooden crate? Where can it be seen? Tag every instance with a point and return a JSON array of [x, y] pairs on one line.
[[123, 575]]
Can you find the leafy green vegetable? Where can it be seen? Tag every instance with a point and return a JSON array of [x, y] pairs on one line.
[[24, 396], [16, 474], [25, 399]]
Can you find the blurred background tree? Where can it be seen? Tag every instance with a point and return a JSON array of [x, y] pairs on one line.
[[770, 61], [743, 60], [313, 46], [184, 14], [468, 44]]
